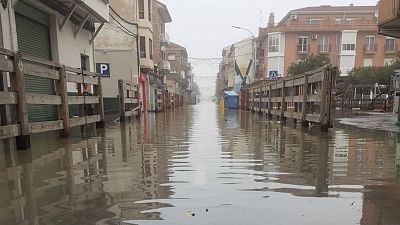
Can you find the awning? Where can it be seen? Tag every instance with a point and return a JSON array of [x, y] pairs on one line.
[[389, 18], [86, 12]]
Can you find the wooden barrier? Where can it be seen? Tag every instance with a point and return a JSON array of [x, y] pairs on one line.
[[306, 98], [14, 95], [129, 100]]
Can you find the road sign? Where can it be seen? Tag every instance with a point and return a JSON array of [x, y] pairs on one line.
[[103, 69], [273, 74]]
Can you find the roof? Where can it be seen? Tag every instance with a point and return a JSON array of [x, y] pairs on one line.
[[326, 9], [230, 93], [162, 8]]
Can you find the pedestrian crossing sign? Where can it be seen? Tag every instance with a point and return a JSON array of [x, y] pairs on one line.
[[273, 74]]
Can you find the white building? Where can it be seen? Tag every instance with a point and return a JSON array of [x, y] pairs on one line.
[[59, 30]]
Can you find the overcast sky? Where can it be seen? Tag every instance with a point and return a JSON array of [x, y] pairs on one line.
[[204, 27]]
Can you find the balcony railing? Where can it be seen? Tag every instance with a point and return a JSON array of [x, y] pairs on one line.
[[164, 39], [370, 48], [324, 48]]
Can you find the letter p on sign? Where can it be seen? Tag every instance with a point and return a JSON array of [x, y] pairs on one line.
[[103, 69]]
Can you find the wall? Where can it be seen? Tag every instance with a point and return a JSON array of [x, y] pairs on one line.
[[123, 65]]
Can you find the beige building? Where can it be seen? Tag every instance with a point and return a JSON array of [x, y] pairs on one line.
[[117, 50]]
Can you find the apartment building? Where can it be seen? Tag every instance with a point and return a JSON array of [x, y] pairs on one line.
[[180, 80], [62, 31], [161, 17], [348, 35]]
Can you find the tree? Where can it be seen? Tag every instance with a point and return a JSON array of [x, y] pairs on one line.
[[373, 74], [309, 63], [196, 89]]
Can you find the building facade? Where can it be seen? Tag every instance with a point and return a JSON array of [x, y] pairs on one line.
[[59, 31], [117, 51], [161, 17], [348, 35], [236, 67], [179, 81]]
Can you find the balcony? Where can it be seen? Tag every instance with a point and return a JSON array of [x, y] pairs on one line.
[[389, 18], [164, 39], [370, 49], [325, 25], [165, 66]]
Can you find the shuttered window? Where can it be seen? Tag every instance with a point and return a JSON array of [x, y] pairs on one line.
[[33, 34]]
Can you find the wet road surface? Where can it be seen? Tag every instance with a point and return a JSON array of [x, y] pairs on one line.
[[196, 165]]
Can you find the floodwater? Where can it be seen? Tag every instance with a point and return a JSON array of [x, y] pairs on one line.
[[196, 165]]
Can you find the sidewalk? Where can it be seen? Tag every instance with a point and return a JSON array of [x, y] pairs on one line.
[[374, 121]]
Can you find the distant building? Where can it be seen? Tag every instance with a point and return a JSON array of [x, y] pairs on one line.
[[236, 67], [348, 35], [180, 79]]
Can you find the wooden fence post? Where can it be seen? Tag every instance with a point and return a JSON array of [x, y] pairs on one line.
[[122, 108], [64, 108], [23, 141], [304, 103], [324, 106], [100, 109], [270, 101], [283, 101]]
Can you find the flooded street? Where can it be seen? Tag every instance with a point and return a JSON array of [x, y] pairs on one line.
[[195, 165]]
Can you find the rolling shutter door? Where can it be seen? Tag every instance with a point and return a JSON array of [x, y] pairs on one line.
[[33, 34]]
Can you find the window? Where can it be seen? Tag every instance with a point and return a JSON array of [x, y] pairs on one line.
[[149, 4], [302, 44], [312, 22], [390, 45], [171, 57], [85, 64], [273, 43], [324, 44], [141, 9], [143, 47], [348, 47], [338, 21], [151, 48], [388, 61], [370, 44], [349, 21], [368, 62]]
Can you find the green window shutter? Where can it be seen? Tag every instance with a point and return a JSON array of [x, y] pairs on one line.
[[33, 34]]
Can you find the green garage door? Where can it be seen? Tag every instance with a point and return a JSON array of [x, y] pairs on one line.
[[33, 34]]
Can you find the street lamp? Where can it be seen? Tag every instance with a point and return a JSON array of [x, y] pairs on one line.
[[253, 45]]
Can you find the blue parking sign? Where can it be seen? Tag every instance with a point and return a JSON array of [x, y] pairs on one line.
[[103, 69]]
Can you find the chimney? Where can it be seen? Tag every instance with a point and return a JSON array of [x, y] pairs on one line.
[[271, 20], [351, 5]]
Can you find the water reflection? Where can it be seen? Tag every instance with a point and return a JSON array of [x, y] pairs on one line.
[[230, 168]]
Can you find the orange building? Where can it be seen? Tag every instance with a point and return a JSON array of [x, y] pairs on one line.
[[348, 35]]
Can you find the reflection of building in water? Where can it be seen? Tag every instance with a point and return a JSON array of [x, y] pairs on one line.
[[381, 205], [340, 153], [53, 184], [83, 181], [308, 158]]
